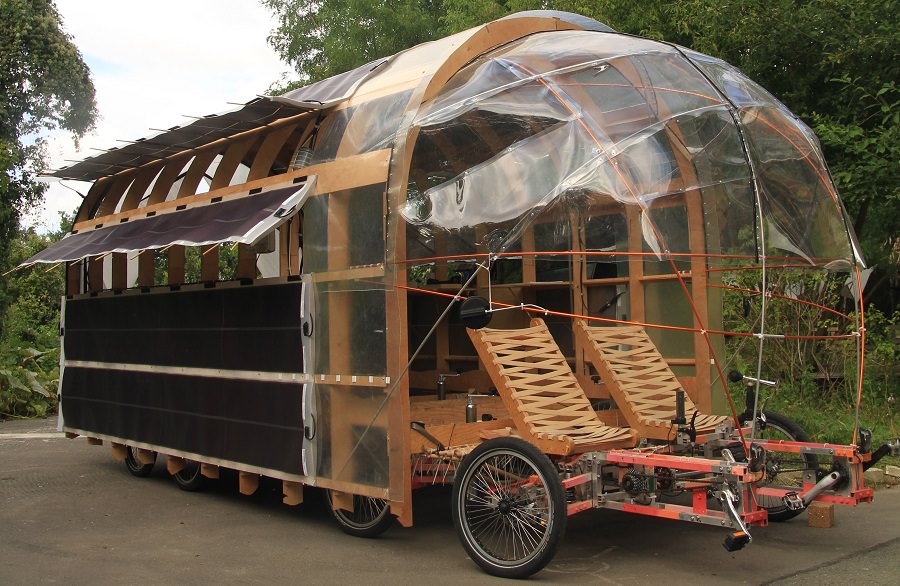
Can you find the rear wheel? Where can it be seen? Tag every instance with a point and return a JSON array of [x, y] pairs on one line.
[[135, 465], [189, 478], [508, 507], [783, 470], [370, 516]]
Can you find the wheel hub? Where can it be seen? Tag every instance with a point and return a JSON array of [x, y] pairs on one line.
[[504, 506]]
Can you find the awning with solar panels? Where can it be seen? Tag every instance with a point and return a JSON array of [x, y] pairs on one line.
[[256, 113], [245, 219]]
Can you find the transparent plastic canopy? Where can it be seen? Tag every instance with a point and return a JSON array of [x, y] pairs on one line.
[[576, 122]]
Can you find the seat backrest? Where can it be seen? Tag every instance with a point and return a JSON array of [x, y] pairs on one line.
[[638, 377], [529, 369]]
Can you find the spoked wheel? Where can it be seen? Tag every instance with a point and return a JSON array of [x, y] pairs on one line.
[[135, 465], [189, 478], [783, 470], [508, 507], [370, 516]]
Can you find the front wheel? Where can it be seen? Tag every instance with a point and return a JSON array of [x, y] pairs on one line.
[[783, 470], [508, 507], [370, 516]]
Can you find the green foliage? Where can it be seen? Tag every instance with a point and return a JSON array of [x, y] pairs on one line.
[[818, 382], [45, 86], [29, 344], [321, 38]]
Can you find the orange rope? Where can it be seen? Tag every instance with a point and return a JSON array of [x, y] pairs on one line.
[[825, 181], [687, 255], [785, 297], [615, 321], [661, 241]]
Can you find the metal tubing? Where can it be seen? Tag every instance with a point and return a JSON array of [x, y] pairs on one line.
[[821, 486]]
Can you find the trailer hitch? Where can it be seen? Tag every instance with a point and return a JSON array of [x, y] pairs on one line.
[[797, 502], [892, 448]]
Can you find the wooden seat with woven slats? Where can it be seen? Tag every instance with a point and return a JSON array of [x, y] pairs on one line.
[[542, 395], [639, 380]]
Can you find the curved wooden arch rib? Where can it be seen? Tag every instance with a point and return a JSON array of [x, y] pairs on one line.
[[491, 36]]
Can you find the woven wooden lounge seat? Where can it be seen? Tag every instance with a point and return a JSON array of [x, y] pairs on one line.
[[639, 380], [540, 392]]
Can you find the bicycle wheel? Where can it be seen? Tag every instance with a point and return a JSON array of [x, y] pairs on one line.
[[370, 516], [189, 478], [783, 470], [508, 507], [135, 465]]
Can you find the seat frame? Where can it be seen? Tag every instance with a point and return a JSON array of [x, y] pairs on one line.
[[542, 395], [639, 380]]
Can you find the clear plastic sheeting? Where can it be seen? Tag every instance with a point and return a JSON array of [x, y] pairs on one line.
[[360, 129], [606, 119]]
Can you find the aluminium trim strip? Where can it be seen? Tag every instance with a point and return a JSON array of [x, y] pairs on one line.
[[253, 375]]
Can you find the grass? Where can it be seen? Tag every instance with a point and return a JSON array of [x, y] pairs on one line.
[[832, 421]]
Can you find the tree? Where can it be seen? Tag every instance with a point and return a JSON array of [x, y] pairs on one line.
[[45, 86], [29, 344], [835, 63], [321, 38]]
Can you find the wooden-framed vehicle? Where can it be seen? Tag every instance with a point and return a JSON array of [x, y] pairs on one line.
[[540, 166]]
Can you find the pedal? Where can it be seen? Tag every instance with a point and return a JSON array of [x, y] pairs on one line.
[[736, 541], [793, 501]]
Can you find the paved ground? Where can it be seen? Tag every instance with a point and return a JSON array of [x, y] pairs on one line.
[[70, 514]]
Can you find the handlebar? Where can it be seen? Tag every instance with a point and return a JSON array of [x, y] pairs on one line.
[[736, 377]]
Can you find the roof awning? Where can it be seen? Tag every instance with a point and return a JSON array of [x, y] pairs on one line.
[[204, 130], [246, 220], [258, 112]]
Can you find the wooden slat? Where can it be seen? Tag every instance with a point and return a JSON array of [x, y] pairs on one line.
[[356, 171], [119, 451], [639, 379], [248, 482], [292, 491], [174, 464], [541, 393]]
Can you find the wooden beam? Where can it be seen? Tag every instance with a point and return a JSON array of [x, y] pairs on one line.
[[248, 482], [209, 263], [268, 151], [119, 451], [166, 179], [357, 171], [231, 159], [174, 464], [293, 493], [147, 268], [195, 173], [175, 261]]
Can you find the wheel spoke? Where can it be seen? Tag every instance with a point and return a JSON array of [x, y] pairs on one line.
[[503, 507]]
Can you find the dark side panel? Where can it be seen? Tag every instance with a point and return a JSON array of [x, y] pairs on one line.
[[253, 328], [244, 328], [257, 423]]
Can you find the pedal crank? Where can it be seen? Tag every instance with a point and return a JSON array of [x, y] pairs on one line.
[[738, 539]]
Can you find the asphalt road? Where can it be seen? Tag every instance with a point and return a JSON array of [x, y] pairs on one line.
[[70, 514]]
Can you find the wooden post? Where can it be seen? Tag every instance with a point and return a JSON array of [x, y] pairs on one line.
[[176, 265]]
